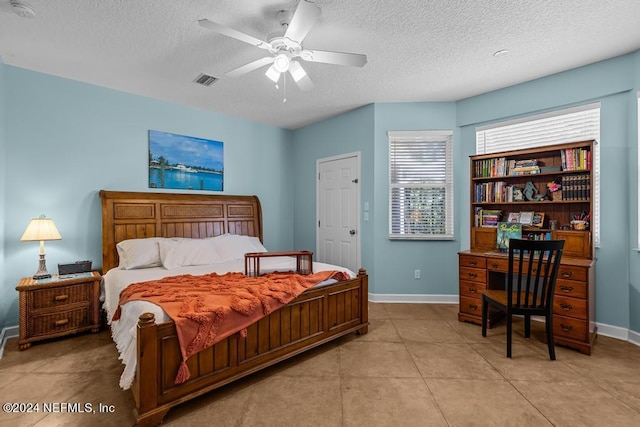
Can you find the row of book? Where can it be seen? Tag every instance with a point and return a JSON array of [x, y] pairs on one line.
[[576, 187], [500, 166], [575, 159], [494, 192]]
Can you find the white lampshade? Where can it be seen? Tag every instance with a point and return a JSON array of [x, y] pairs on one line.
[[41, 228]]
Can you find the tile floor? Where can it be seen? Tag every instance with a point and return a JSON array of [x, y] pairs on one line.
[[417, 366]]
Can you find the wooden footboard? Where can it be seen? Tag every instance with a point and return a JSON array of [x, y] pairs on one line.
[[318, 316]]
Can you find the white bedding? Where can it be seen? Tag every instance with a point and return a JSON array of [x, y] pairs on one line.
[[124, 330]]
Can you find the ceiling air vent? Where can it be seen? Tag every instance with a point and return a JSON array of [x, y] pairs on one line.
[[205, 79]]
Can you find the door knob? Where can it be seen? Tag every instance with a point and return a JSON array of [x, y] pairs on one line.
[[352, 232]]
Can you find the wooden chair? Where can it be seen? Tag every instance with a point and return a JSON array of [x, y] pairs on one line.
[[531, 282]]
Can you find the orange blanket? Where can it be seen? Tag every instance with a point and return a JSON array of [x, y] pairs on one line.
[[206, 309]]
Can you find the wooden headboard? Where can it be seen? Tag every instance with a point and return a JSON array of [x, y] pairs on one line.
[[129, 215]]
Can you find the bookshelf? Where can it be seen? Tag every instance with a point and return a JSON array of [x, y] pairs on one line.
[[498, 184], [511, 186]]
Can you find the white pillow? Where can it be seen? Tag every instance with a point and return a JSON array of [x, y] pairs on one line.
[[234, 246], [139, 253], [184, 252]]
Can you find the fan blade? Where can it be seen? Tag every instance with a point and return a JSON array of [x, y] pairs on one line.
[[337, 58], [300, 76], [305, 16], [234, 34], [250, 66]]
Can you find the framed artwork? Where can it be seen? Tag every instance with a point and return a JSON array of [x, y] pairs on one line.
[[185, 162], [513, 217], [526, 218], [538, 219]]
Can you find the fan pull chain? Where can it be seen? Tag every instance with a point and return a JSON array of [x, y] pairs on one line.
[[284, 87]]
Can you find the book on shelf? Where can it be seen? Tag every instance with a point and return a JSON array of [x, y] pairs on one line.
[[491, 217], [575, 159], [506, 231]]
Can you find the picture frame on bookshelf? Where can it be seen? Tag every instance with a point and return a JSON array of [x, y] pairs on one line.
[[513, 217], [538, 219], [526, 218]]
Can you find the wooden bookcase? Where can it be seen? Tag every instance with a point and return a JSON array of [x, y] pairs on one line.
[[483, 267], [574, 201]]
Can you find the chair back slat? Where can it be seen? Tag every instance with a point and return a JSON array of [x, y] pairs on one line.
[[533, 269]]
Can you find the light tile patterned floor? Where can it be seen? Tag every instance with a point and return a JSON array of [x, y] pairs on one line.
[[417, 366]]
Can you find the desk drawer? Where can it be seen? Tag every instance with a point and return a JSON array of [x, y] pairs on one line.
[[567, 306], [498, 265], [570, 328], [571, 288], [570, 272], [478, 275], [471, 289], [471, 306], [61, 296], [472, 261]]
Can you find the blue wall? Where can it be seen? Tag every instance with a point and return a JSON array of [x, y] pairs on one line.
[[396, 260], [4, 303], [347, 133], [61, 141], [66, 140], [613, 83]]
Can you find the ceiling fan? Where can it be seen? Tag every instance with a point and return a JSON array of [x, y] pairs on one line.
[[285, 48]]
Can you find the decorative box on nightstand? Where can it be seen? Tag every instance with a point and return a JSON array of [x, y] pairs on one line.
[[58, 306]]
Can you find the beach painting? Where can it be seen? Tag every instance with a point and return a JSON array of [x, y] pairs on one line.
[[185, 162]]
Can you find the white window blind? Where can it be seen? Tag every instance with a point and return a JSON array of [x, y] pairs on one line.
[[558, 127], [421, 185]]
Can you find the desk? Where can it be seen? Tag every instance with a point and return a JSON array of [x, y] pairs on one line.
[[574, 297]]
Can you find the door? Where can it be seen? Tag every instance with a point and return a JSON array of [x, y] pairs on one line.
[[338, 195]]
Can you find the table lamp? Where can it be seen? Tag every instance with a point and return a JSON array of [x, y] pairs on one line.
[[41, 229]]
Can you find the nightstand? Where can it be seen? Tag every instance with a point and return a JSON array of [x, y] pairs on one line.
[[60, 305]]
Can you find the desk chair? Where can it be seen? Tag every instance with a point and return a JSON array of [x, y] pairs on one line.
[[531, 282]]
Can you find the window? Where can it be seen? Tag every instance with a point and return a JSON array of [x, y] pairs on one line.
[[562, 126], [421, 185]]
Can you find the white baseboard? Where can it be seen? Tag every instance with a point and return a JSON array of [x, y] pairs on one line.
[[634, 338], [5, 334], [414, 298], [603, 329]]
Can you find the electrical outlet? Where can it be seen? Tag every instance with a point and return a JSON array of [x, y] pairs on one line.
[[416, 274]]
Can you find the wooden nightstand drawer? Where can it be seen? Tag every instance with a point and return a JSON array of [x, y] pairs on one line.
[[56, 297], [56, 323], [58, 306]]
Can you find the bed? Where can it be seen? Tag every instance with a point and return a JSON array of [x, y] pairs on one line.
[[317, 316]]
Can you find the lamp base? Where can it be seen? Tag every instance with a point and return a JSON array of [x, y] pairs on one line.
[[42, 272]]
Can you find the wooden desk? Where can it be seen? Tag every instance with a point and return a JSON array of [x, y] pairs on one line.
[[574, 298]]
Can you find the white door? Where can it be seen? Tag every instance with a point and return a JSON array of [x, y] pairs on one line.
[[338, 194]]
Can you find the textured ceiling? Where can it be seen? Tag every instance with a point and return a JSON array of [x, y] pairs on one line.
[[418, 50]]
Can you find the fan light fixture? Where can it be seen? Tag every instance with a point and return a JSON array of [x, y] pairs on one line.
[[281, 63], [296, 71], [273, 74]]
